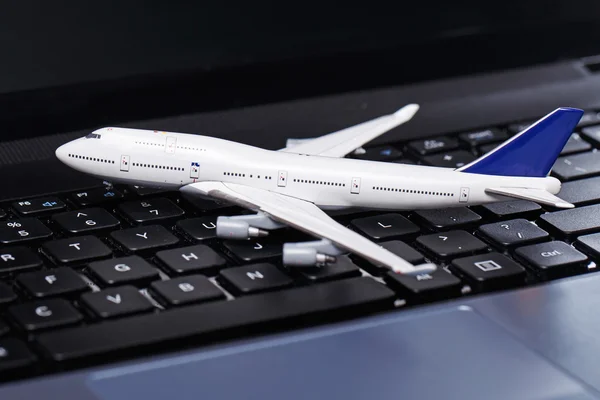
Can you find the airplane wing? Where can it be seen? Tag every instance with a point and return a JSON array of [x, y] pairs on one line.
[[306, 217], [536, 195], [340, 143]]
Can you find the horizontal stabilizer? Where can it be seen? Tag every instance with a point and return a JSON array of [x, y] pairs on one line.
[[537, 195]]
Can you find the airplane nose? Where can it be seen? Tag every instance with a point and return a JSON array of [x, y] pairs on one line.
[[62, 153]]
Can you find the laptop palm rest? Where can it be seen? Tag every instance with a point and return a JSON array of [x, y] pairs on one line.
[[452, 353]]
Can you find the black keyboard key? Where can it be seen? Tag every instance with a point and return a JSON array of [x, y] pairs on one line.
[[589, 118], [512, 209], [405, 161], [519, 127], [131, 270], [191, 260], [54, 282], [18, 259], [146, 191], [575, 144], [205, 205], [582, 192], [335, 299], [2, 214], [76, 250], [87, 220], [198, 229], [7, 295], [452, 159], [404, 251], [95, 197], [38, 206], [577, 166], [142, 239], [380, 153], [486, 136], [490, 271], [592, 134], [343, 267], [447, 218], [254, 278], [440, 284], [14, 355], [250, 251], [44, 314], [151, 210], [516, 232], [451, 244], [589, 244], [116, 302], [552, 259], [385, 226], [23, 230], [3, 328], [185, 290], [572, 222], [397, 247], [433, 145], [487, 148]]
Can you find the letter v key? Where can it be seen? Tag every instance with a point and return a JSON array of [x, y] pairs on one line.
[[114, 299]]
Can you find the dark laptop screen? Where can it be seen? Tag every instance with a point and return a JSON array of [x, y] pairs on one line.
[[94, 56]]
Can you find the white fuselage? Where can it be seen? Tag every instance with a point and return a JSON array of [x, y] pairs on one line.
[[173, 160]]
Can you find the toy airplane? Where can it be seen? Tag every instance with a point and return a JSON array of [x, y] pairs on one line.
[[294, 186]]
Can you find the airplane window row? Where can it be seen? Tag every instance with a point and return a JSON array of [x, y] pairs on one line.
[[151, 144], [157, 166], [163, 145], [190, 148], [413, 191], [319, 182], [238, 174], [102, 160]]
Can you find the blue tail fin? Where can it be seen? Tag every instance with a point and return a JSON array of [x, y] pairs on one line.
[[532, 152]]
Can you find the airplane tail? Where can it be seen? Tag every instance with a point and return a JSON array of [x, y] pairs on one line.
[[532, 152]]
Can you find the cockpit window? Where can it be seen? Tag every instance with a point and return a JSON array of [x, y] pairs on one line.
[[93, 136]]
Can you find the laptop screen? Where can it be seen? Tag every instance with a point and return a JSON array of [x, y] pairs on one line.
[[221, 54]]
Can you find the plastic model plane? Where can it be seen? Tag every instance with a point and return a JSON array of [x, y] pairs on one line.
[[296, 185]]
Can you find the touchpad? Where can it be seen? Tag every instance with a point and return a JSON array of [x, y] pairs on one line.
[[447, 354]]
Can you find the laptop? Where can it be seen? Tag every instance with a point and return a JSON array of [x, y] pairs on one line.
[[514, 318]]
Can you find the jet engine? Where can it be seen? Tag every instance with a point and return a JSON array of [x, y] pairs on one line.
[[245, 226], [310, 254]]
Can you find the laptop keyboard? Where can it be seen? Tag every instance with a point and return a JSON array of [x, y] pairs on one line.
[[113, 273]]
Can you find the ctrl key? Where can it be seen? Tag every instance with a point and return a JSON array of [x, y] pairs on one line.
[[14, 355], [438, 285], [552, 259]]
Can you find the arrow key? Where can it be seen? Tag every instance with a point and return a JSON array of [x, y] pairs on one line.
[[116, 302], [87, 220], [385, 226]]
